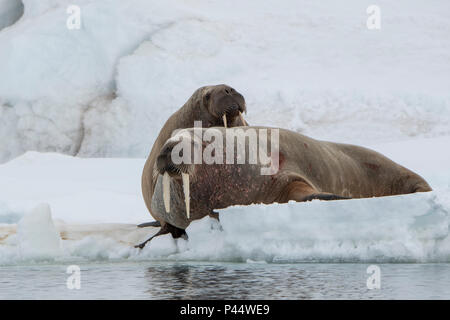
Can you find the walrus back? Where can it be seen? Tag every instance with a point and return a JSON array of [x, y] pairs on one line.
[[347, 170], [392, 177]]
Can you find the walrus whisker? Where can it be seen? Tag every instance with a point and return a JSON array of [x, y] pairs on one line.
[[183, 169]]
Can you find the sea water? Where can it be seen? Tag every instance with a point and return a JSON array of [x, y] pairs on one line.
[[251, 280]]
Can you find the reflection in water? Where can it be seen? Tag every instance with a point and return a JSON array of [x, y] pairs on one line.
[[238, 281], [194, 280], [201, 282]]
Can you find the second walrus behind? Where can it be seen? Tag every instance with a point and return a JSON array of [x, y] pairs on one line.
[[218, 105]]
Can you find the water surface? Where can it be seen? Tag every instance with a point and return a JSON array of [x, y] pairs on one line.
[[184, 280]]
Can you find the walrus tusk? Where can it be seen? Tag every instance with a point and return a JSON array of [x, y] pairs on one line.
[[187, 199], [166, 191], [224, 117], [242, 118]]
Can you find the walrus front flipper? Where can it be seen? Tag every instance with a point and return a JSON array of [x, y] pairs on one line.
[[324, 196], [300, 191], [214, 215], [150, 224], [167, 228]]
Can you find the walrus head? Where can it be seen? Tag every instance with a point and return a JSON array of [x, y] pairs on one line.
[[192, 179], [181, 171], [223, 105], [185, 170]]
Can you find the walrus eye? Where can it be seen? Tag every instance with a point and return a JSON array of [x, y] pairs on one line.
[[208, 96]]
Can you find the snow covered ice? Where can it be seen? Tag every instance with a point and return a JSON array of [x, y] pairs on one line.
[[72, 100], [37, 234]]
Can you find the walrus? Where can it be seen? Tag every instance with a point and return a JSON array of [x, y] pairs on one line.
[[218, 105], [306, 169]]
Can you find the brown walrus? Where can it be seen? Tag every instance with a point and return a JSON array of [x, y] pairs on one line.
[[218, 105], [307, 169]]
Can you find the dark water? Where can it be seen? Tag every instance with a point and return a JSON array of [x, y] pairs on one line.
[[152, 280]]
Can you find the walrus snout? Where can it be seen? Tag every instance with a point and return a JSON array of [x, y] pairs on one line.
[[165, 162], [233, 110]]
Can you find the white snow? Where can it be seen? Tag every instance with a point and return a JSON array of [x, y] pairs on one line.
[[37, 234], [310, 66], [78, 190]]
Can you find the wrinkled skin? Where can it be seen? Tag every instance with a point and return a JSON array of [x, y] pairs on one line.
[[308, 169], [208, 104]]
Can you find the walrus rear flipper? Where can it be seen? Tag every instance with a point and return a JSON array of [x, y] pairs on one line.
[[167, 228], [150, 224], [301, 191]]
